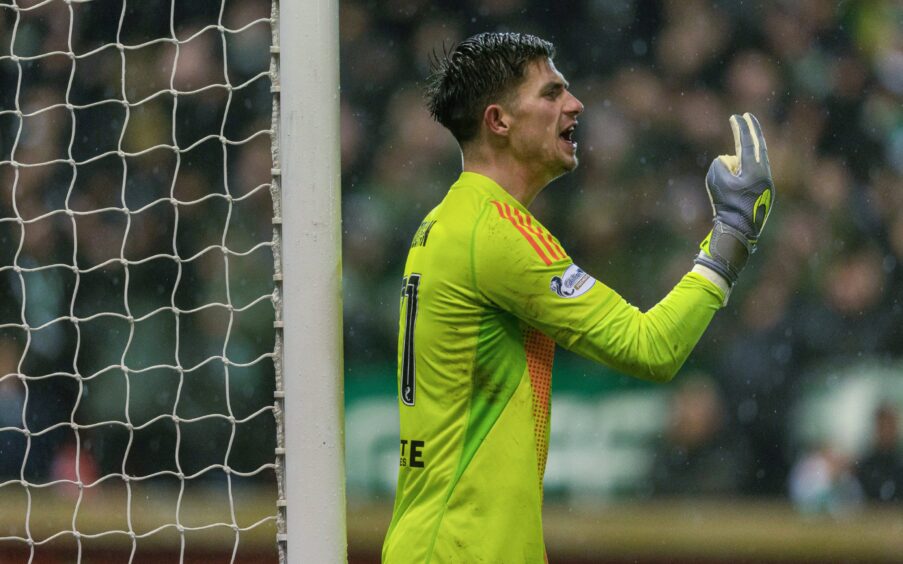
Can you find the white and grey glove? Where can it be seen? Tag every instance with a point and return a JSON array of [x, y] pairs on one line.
[[742, 194]]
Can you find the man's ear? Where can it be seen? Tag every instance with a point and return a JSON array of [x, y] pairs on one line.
[[497, 120]]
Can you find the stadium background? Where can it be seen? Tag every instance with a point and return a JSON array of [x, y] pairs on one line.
[[772, 419], [762, 446]]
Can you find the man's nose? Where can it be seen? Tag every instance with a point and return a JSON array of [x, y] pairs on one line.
[[574, 106]]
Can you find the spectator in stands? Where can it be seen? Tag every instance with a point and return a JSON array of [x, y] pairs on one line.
[[881, 471], [699, 456], [822, 482], [12, 402]]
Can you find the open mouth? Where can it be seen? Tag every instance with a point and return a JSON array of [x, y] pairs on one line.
[[568, 134]]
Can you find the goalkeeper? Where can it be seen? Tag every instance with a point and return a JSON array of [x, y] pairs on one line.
[[488, 292]]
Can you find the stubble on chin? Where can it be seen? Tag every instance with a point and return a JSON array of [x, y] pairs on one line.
[[571, 164]]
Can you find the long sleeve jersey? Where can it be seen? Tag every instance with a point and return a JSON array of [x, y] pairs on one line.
[[487, 293]]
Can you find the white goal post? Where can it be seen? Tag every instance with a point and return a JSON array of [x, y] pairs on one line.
[[308, 160]]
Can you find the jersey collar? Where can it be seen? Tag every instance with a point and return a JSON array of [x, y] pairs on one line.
[[488, 186]]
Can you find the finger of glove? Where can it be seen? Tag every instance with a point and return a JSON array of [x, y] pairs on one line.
[[759, 138], [765, 200], [744, 142], [757, 132], [718, 181]]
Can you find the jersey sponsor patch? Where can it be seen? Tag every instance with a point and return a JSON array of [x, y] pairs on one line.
[[574, 282]]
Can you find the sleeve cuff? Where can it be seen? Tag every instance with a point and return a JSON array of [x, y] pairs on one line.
[[715, 278]]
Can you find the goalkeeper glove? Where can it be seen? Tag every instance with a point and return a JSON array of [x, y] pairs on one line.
[[742, 194]]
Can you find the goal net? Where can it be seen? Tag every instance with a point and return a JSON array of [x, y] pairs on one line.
[[139, 270]]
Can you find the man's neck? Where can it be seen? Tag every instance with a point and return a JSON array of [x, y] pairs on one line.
[[516, 179]]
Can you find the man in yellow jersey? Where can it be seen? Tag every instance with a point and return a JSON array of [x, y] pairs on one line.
[[488, 292]]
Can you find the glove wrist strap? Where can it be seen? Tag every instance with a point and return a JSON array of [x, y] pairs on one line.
[[725, 251]]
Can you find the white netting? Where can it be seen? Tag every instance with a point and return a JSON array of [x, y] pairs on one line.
[[136, 279]]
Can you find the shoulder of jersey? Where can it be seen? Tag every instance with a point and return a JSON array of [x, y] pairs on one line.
[[530, 231]]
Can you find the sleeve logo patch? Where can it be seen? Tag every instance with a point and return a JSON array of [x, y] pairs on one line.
[[574, 282]]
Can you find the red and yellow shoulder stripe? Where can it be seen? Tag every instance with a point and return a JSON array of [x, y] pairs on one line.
[[542, 242]]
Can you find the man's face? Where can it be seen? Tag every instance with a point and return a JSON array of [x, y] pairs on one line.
[[543, 116]]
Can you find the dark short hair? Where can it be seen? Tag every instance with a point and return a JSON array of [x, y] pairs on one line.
[[477, 72]]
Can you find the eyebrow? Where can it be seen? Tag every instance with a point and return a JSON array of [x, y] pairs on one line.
[[554, 85]]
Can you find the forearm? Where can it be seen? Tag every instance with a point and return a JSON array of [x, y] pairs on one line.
[[653, 345]]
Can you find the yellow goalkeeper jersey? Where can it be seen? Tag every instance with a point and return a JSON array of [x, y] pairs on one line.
[[487, 293]]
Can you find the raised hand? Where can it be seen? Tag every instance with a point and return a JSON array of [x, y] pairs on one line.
[[742, 193]]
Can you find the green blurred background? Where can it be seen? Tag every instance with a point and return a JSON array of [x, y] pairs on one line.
[[787, 411]]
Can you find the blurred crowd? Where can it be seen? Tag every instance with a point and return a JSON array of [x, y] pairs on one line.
[[701, 454], [100, 215], [659, 80]]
